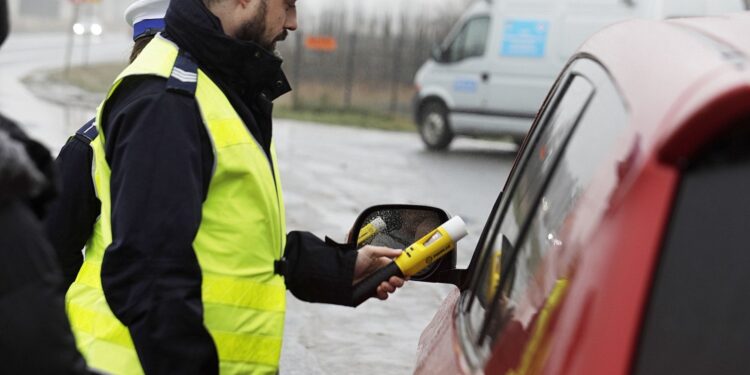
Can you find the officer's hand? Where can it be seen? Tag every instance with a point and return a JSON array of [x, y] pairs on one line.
[[369, 260]]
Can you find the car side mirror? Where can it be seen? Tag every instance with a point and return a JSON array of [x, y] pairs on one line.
[[398, 226], [4, 21]]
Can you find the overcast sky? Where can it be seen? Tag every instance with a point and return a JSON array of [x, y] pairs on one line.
[[395, 7]]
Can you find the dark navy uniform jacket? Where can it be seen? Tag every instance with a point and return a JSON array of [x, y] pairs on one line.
[[156, 136]]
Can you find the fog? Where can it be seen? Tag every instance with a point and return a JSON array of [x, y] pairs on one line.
[[428, 8]]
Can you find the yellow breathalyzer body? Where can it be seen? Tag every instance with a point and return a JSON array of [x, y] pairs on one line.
[[424, 252]]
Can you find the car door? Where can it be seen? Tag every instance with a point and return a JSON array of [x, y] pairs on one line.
[[517, 282]]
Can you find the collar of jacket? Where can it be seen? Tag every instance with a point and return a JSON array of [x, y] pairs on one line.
[[245, 67]]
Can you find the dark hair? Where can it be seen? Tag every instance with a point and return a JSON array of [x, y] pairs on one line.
[[139, 45]]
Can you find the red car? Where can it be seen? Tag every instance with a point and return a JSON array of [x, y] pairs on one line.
[[621, 242]]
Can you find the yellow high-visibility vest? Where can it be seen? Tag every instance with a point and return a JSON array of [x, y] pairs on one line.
[[242, 233]]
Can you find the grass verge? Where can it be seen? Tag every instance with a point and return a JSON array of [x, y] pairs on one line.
[[97, 78], [355, 117]]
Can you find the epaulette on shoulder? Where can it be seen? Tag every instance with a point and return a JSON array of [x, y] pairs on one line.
[[88, 132], [184, 77]]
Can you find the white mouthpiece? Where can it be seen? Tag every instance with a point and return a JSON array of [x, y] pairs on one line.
[[378, 223], [456, 228]]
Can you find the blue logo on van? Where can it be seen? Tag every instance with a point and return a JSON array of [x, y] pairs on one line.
[[525, 38], [465, 85]]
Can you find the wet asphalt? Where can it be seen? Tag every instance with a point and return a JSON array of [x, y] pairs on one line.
[[330, 174]]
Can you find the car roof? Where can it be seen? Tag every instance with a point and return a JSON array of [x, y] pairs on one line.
[[668, 72]]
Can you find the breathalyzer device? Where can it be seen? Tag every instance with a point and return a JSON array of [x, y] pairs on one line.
[[415, 258], [370, 230]]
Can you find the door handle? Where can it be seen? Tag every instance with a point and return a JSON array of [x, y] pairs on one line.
[[485, 76]]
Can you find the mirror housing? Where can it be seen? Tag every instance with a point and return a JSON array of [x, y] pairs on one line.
[[4, 21], [398, 226]]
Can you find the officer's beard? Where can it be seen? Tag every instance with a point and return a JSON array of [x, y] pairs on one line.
[[254, 30]]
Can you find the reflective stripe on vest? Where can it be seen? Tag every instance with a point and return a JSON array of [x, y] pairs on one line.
[[242, 233]]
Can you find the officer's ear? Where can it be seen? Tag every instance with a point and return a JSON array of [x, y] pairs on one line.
[[4, 21]]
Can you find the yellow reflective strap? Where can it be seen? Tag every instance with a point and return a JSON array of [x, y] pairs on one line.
[[242, 320], [234, 291], [103, 326], [247, 348], [241, 368], [231, 291], [226, 132], [226, 127], [107, 357]]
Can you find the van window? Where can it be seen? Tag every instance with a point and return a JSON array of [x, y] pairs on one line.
[[538, 161], [471, 41]]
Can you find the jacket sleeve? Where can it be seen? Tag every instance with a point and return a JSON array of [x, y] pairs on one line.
[[150, 273], [317, 272], [71, 217]]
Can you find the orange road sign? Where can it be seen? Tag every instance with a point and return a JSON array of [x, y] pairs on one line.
[[321, 43]]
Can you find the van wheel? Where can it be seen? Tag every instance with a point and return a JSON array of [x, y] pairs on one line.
[[434, 127]]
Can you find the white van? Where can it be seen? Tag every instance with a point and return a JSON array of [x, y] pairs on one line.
[[490, 75]]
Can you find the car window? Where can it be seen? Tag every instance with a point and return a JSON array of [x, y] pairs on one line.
[[593, 139], [696, 317], [529, 238], [535, 283], [538, 161], [471, 41]]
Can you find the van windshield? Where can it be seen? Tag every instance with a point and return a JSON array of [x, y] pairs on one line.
[[471, 41]]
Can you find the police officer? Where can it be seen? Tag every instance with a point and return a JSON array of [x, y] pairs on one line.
[[188, 264], [35, 336], [70, 220]]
